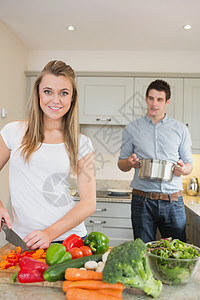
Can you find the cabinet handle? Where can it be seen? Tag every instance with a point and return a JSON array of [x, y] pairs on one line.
[[97, 222], [99, 119], [187, 125], [100, 209]]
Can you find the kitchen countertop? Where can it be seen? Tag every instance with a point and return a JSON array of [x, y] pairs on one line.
[[192, 202], [189, 291]]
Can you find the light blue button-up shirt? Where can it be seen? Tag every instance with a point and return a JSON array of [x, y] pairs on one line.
[[168, 140]]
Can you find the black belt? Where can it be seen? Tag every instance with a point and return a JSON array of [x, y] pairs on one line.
[[158, 196]]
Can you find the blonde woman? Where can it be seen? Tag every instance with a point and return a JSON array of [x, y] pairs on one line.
[[43, 151]]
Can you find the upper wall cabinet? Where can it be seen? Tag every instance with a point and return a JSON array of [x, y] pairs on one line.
[[175, 107], [105, 100], [192, 109]]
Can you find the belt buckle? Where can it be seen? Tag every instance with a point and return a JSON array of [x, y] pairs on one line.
[[151, 195]]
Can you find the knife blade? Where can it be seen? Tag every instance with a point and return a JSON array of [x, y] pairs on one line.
[[12, 237]]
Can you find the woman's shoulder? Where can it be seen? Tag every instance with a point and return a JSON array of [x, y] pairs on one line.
[[85, 145], [13, 132], [15, 125]]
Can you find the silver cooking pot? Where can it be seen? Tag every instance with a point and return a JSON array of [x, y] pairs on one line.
[[155, 169]]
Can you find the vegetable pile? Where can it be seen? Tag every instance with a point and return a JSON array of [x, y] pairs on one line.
[[12, 259], [127, 263], [172, 261]]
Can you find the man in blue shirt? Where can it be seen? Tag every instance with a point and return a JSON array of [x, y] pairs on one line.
[[157, 204]]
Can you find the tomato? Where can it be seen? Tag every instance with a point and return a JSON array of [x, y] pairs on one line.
[[75, 252], [86, 250]]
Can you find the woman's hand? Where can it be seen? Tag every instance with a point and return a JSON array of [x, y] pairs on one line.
[[37, 239], [5, 215]]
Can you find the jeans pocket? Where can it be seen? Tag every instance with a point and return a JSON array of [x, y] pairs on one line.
[[137, 200], [179, 203]]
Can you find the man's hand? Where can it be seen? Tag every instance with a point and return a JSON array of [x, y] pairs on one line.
[[127, 164], [134, 161], [179, 169]]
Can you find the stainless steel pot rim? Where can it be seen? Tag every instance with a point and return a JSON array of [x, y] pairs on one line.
[[156, 160]]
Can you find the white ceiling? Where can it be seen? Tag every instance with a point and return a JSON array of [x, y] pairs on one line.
[[104, 24]]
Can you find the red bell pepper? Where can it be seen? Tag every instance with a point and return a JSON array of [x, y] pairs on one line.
[[73, 241], [31, 270]]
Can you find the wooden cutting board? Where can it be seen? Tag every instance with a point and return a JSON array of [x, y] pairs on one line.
[[6, 274]]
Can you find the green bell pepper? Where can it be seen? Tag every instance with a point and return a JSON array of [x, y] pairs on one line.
[[57, 253], [97, 241]]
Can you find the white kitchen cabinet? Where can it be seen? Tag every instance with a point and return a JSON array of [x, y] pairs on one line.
[[174, 109], [192, 109], [105, 100], [114, 220]]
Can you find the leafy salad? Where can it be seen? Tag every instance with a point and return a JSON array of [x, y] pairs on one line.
[[173, 261]]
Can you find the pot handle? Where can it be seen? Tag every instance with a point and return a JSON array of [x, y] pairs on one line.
[[140, 162], [175, 165]]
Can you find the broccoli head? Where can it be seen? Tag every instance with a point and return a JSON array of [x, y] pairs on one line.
[[127, 263]]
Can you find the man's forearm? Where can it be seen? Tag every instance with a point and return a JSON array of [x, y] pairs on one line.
[[188, 169], [124, 165]]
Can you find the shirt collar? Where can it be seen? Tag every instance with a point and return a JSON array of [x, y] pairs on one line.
[[162, 121]]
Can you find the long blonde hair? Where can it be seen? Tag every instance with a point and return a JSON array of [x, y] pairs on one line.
[[34, 135]]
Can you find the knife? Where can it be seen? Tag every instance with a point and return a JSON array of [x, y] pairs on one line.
[[12, 237]]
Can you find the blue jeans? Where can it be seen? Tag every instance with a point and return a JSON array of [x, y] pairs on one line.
[[147, 215]]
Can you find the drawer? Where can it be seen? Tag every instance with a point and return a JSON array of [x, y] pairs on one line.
[[108, 222], [112, 209], [118, 232]]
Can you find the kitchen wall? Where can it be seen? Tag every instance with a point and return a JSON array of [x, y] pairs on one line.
[[121, 61], [106, 141], [13, 62]]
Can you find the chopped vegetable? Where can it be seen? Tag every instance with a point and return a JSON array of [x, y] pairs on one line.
[[11, 260], [127, 263]]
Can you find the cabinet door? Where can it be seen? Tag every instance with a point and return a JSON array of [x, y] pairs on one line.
[[188, 224], [105, 100], [118, 230], [194, 231], [174, 109], [192, 109]]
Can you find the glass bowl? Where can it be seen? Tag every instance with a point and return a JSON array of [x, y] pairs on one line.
[[173, 271]]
